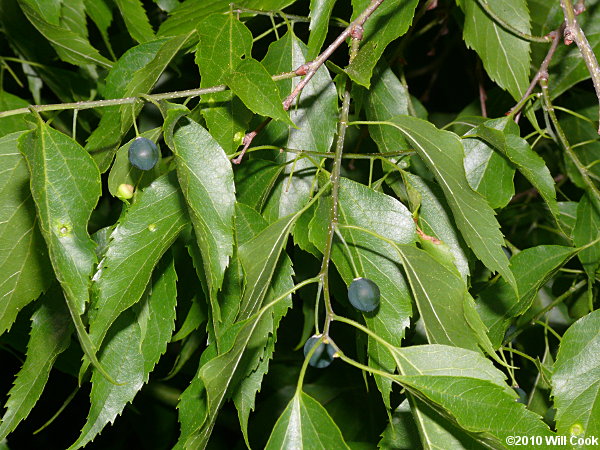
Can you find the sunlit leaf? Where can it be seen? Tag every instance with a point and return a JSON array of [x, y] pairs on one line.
[[140, 238], [134, 345], [390, 21], [504, 55], [24, 264], [443, 153], [576, 379], [136, 20], [70, 46], [206, 179], [305, 424], [251, 82]]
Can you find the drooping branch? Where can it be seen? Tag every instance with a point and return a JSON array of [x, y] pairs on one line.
[[128, 100], [581, 168], [308, 70], [542, 71], [574, 33]]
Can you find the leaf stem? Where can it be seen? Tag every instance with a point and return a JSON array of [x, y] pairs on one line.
[[483, 4]]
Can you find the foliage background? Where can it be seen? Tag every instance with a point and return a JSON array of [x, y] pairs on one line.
[[174, 286]]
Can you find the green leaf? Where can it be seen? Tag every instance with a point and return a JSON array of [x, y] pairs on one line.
[[49, 9], [135, 73], [315, 116], [251, 82], [195, 316], [73, 17], [189, 13], [305, 424], [138, 241], [533, 267], [439, 293], [11, 124], [416, 422], [390, 21], [505, 56], [133, 347], [402, 432], [587, 229], [135, 19], [445, 360], [374, 259], [224, 40], [503, 134], [101, 15], [262, 345], [219, 373], [259, 257], [320, 13], [387, 98], [576, 379], [206, 179], [478, 406], [443, 153], [254, 181], [488, 173], [51, 330], [70, 46], [24, 265], [65, 186]]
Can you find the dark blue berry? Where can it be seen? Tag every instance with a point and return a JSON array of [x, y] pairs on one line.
[[143, 153], [323, 354], [364, 294]]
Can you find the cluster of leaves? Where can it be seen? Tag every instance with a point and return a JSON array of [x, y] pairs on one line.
[[187, 301]]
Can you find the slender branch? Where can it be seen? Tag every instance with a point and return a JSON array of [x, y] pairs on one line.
[[309, 69], [583, 171], [542, 71], [507, 26], [335, 181], [128, 100], [574, 33]]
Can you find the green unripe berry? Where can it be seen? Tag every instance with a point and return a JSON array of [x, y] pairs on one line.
[[125, 191], [143, 153], [323, 354], [364, 294]]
